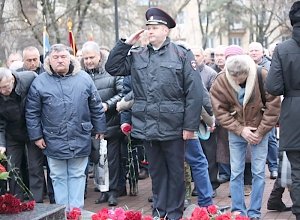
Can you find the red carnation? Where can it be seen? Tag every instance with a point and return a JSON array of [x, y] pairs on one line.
[[212, 209], [2, 169], [147, 217], [226, 216], [133, 215], [200, 213]]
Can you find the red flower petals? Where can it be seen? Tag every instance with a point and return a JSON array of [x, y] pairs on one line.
[[9, 204]]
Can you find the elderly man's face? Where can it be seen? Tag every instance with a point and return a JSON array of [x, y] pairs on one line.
[[220, 57], [240, 79], [199, 57], [31, 60], [6, 86], [91, 59], [256, 52], [60, 62]]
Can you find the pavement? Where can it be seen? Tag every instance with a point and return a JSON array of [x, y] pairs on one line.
[[140, 202]]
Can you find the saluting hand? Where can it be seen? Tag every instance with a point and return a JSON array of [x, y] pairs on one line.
[[134, 37]]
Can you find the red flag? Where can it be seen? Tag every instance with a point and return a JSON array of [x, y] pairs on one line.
[[71, 37]]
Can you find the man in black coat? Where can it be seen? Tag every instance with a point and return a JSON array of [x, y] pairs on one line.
[[110, 90], [283, 79], [13, 132]]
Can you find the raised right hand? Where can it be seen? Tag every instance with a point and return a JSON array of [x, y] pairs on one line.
[[134, 37]]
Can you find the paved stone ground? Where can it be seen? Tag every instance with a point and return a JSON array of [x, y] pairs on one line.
[[140, 202]]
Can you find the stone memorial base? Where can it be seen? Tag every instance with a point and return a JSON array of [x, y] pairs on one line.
[[43, 211]]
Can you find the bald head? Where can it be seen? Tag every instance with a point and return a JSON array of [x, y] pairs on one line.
[[31, 58], [199, 55], [6, 81], [91, 55], [256, 51], [12, 58], [220, 56]]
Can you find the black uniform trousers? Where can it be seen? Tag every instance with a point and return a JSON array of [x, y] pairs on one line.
[[294, 158], [166, 168], [113, 156]]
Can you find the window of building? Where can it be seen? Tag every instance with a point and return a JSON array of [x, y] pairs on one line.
[[235, 41]]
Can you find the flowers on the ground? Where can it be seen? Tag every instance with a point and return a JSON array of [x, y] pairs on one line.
[[119, 214], [199, 213], [212, 213], [74, 214], [9, 204]]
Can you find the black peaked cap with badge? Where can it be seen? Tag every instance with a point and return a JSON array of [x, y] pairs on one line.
[[158, 16], [294, 13]]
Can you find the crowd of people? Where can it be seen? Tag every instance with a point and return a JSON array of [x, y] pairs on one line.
[[191, 114]]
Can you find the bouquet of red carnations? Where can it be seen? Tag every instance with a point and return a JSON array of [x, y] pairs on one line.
[[9, 204]]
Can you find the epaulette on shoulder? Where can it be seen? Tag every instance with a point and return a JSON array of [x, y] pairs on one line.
[[182, 45]]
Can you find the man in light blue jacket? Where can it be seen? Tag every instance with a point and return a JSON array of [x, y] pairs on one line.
[[63, 109]]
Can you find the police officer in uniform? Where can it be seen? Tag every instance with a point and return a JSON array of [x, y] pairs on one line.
[[166, 111]]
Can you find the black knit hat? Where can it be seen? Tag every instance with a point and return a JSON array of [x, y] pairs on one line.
[[294, 13]]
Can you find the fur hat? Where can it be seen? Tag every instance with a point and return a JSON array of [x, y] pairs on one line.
[[294, 13], [233, 50]]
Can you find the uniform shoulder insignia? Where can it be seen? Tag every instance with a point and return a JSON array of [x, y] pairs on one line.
[[182, 44]]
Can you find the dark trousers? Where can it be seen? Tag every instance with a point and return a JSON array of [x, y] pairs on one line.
[[294, 158], [210, 150], [36, 171], [15, 152], [113, 156], [276, 194], [166, 168]]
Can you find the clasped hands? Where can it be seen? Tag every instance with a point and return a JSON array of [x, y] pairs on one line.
[[250, 135]]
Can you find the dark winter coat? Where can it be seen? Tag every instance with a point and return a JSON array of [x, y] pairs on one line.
[[167, 89], [63, 110], [12, 111], [284, 79], [110, 90]]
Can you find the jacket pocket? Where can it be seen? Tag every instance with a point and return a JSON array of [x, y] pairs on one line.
[[87, 127], [138, 115], [169, 72], [171, 116], [51, 131]]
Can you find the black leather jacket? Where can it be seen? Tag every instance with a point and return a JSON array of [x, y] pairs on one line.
[[110, 90]]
